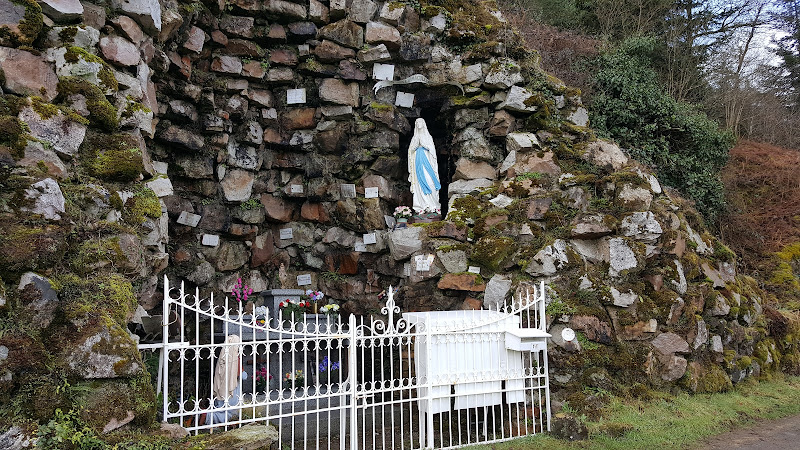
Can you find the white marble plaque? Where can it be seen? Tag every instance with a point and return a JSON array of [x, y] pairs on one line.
[[370, 238], [295, 96], [304, 49], [370, 192], [423, 262], [383, 72], [407, 269], [189, 219], [304, 280], [360, 247], [474, 269], [296, 189], [404, 100], [211, 240], [286, 233], [349, 190]]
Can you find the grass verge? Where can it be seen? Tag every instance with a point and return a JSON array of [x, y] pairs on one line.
[[677, 422]]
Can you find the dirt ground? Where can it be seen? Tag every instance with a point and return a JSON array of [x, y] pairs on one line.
[[783, 434]]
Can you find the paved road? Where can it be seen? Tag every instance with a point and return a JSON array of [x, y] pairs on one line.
[[783, 434]]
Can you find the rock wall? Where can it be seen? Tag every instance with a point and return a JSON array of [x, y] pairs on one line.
[[142, 139]]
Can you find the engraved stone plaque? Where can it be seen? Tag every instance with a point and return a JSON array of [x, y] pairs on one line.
[[295, 96], [349, 190], [304, 280]]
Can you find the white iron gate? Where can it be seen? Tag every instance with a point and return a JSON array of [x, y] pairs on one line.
[[442, 379]]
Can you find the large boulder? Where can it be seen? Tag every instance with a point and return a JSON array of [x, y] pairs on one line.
[[61, 133], [343, 32], [62, 11], [404, 242], [48, 200], [106, 350], [146, 12], [28, 74]]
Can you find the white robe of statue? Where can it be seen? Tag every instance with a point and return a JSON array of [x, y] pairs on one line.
[[423, 170]]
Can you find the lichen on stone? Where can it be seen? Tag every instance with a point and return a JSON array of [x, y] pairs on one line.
[[106, 74]]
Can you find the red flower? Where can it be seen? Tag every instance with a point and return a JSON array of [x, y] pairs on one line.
[[281, 305]]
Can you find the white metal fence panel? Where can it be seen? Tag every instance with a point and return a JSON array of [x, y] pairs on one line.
[[441, 379]]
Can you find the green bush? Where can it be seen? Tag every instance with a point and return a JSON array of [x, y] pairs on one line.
[[683, 145]]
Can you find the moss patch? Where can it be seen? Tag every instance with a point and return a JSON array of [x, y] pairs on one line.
[[142, 205], [94, 254], [491, 251], [106, 74], [101, 112], [96, 296], [112, 157], [13, 134], [29, 27], [29, 247]]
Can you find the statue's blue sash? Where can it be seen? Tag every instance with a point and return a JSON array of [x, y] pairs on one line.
[[422, 165]]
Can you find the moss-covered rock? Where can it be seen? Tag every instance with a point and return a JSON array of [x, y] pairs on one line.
[[706, 379], [85, 299], [101, 112], [29, 247], [108, 82], [13, 135], [27, 29], [111, 404], [114, 157], [491, 251]]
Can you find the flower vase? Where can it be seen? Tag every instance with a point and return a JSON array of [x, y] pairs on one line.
[[402, 222], [314, 308]]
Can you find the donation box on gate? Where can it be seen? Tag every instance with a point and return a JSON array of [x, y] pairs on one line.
[[472, 356]]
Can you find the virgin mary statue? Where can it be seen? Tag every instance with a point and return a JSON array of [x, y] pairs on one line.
[[423, 170]]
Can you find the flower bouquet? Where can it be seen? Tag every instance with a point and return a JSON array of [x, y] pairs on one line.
[[262, 379], [402, 214], [327, 369], [311, 297], [331, 310], [292, 310], [241, 291], [260, 313], [294, 380]]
